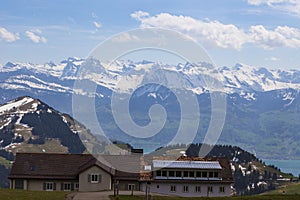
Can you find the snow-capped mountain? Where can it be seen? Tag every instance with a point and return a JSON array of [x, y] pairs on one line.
[[29, 125], [258, 99], [241, 79]]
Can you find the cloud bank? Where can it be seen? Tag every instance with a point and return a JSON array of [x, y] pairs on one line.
[[227, 36], [289, 6]]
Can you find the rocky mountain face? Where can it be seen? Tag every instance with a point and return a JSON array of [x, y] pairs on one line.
[[262, 105], [29, 125]]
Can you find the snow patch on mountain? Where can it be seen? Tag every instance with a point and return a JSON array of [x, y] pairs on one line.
[[15, 104]]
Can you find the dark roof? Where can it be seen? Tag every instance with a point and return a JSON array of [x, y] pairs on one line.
[[52, 165]]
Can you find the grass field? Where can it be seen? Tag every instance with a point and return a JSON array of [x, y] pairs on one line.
[[258, 197], [288, 190], [7, 194]]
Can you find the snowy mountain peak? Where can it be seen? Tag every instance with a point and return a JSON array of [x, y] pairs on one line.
[[9, 65], [28, 124], [20, 105], [239, 79]]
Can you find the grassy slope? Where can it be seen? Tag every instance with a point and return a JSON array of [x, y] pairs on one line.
[[7, 194], [5, 162], [287, 190]]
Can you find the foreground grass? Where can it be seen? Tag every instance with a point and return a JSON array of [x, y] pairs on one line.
[[257, 197], [288, 190], [7, 194]]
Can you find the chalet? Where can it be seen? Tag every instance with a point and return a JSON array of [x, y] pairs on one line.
[[83, 172], [68, 172]]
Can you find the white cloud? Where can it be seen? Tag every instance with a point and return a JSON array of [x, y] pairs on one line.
[[97, 24], [282, 36], [290, 6], [268, 2], [34, 36], [8, 36], [139, 15], [215, 33]]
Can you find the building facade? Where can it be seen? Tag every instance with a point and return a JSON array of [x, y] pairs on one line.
[[189, 178], [185, 176], [66, 172]]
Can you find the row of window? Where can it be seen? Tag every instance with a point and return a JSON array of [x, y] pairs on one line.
[[191, 174], [197, 189], [68, 186]]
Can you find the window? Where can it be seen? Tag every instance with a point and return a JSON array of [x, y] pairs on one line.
[[222, 189], [76, 186], [178, 173], [94, 178], [216, 174], [185, 188], [198, 174], [197, 188], [186, 174], [158, 173], [173, 188], [49, 186], [204, 174], [164, 173], [210, 189], [66, 187], [171, 173], [131, 187], [211, 175], [19, 184], [191, 174], [157, 186]]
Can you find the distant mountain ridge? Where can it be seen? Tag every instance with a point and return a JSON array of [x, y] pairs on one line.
[[261, 103], [54, 77]]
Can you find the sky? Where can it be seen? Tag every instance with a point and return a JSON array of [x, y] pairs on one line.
[[264, 33]]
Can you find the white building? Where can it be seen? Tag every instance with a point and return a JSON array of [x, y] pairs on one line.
[[190, 177]]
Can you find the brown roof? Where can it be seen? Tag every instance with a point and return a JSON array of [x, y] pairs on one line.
[[52, 166], [69, 166], [128, 166]]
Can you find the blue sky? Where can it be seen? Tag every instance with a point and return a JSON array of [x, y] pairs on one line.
[[255, 32]]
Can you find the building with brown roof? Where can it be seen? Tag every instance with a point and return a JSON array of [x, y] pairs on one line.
[[67, 172], [83, 172]]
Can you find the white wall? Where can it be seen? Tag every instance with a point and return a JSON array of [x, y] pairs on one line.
[[164, 188]]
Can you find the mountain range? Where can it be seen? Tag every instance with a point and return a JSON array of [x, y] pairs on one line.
[[262, 105]]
